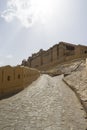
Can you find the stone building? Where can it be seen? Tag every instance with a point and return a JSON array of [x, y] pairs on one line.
[[59, 53], [14, 79]]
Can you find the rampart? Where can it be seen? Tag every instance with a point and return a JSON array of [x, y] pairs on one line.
[[57, 54], [14, 79]]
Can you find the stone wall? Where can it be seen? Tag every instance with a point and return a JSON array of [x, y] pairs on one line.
[[83, 50], [55, 53], [36, 62], [59, 53], [14, 79], [47, 57]]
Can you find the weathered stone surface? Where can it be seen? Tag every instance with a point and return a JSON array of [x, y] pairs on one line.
[[47, 104], [78, 82], [66, 69], [15, 79]]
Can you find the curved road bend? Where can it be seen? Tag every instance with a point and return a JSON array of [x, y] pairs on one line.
[[47, 104]]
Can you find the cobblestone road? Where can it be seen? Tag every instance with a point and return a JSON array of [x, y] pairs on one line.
[[47, 104]]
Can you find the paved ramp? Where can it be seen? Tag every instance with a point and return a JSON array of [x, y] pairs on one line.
[[47, 104]]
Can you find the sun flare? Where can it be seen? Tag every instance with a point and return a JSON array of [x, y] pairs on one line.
[[30, 11], [43, 8]]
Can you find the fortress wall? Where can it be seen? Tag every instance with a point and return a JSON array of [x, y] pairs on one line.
[[8, 79], [18, 77], [14, 79], [57, 54], [28, 62], [25, 76], [47, 57], [61, 52], [64, 52], [36, 62], [67, 58], [34, 74], [69, 52], [0, 81], [78, 51], [29, 75], [83, 51]]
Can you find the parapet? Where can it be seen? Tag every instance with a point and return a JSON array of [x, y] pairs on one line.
[[15, 79]]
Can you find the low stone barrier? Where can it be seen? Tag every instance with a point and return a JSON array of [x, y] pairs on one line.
[[15, 79]]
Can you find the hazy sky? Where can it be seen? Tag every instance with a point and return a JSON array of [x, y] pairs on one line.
[[29, 25]]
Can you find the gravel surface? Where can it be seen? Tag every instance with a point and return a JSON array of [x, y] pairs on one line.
[[47, 104]]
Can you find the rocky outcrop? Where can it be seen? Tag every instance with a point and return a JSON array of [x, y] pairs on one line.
[[78, 83]]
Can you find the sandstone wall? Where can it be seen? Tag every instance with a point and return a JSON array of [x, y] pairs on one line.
[[83, 51], [36, 62], [57, 54], [14, 79], [47, 57]]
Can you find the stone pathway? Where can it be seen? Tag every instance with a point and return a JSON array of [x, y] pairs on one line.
[[47, 104]]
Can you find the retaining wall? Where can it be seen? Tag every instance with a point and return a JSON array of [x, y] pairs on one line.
[[14, 79]]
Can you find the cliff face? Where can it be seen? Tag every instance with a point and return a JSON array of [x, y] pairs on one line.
[[59, 53]]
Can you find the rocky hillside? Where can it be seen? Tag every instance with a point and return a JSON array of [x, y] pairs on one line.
[[78, 82], [67, 68]]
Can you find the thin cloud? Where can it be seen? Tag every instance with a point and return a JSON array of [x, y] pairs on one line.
[[8, 15], [21, 10], [26, 11], [9, 56]]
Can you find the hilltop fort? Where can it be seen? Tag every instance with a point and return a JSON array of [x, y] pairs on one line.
[[59, 53]]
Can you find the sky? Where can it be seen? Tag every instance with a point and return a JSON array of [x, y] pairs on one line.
[[26, 26]]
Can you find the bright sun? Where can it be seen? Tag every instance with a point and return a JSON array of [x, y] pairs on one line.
[[46, 9], [30, 11], [42, 7]]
